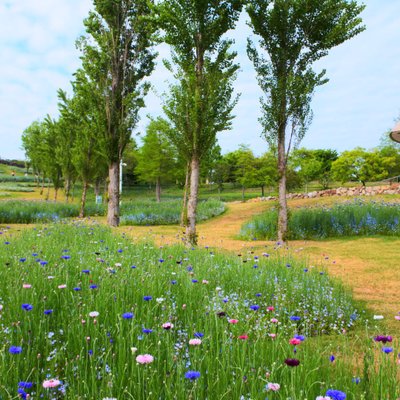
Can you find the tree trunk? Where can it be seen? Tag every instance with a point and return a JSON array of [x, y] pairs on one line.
[[42, 187], [113, 194], [282, 207], [55, 194], [83, 199], [262, 191], [191, 235], [67, 188], [48, 190], [184, 220], [243, 188], [158, 190]]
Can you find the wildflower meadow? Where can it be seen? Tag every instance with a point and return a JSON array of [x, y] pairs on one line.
[[86, 314]]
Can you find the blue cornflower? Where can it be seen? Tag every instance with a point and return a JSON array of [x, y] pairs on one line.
[[43, 262], [192, 375], [258, 294], [22, 394], [332, 358], [356, 380], [189, 268], [48, 312], [90, 352], [15, 350], [145, 330], [174, 282], [255, 266], [147, 298], [194, 280], [133, 266], [295, 318], [93, 286], [22, 259], [225, 300], [127, 315], [161, 260], [86, 271], [66, 257], [27, 306], [387, 350], [336, 394], [25, 385], [300, 337], [255, 307], [198, 334], [120, 250], [77, 289]]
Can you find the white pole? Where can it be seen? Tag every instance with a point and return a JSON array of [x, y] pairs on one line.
[[120, 176]]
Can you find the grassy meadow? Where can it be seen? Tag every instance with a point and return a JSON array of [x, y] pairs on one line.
[[87, 312], [104, 318]]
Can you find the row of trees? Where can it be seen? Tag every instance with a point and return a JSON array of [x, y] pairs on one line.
[[117, 55]]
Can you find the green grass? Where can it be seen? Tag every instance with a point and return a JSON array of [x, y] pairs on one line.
[[197, 291], [352, 218]]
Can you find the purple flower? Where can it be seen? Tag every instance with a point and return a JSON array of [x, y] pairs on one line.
[[127, 315], [383, 339], [292, 362], [15, 350], [27, 307], [199, 334], [300, 337], [336, 394], [192, 375]]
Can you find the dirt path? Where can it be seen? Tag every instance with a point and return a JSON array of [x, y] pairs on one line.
[[370, 266]]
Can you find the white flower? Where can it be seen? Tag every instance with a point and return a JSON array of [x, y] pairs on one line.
[[159, 300], [94, 314], [378, 317]]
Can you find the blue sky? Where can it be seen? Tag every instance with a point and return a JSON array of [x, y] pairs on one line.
[[359, 104]]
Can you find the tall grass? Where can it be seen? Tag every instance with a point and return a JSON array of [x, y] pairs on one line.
[[82, 282], [143, 212], [353, 218]]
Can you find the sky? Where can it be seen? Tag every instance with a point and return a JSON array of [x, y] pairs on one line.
[[358, 105]]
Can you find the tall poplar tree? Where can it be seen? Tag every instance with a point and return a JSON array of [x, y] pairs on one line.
[[294, 34], [117, 56], [200, 103]]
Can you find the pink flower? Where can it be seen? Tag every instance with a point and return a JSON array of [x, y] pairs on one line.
[[26, 286], [274, 320], [243, 337], [63, 286], [51, 383], [272, 335], [167, 325], [273, 386], [270, 308], [294, 341], [397, 317], [144, 359], [195, 342], [204, 282], [323, 398], [233, 321]]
